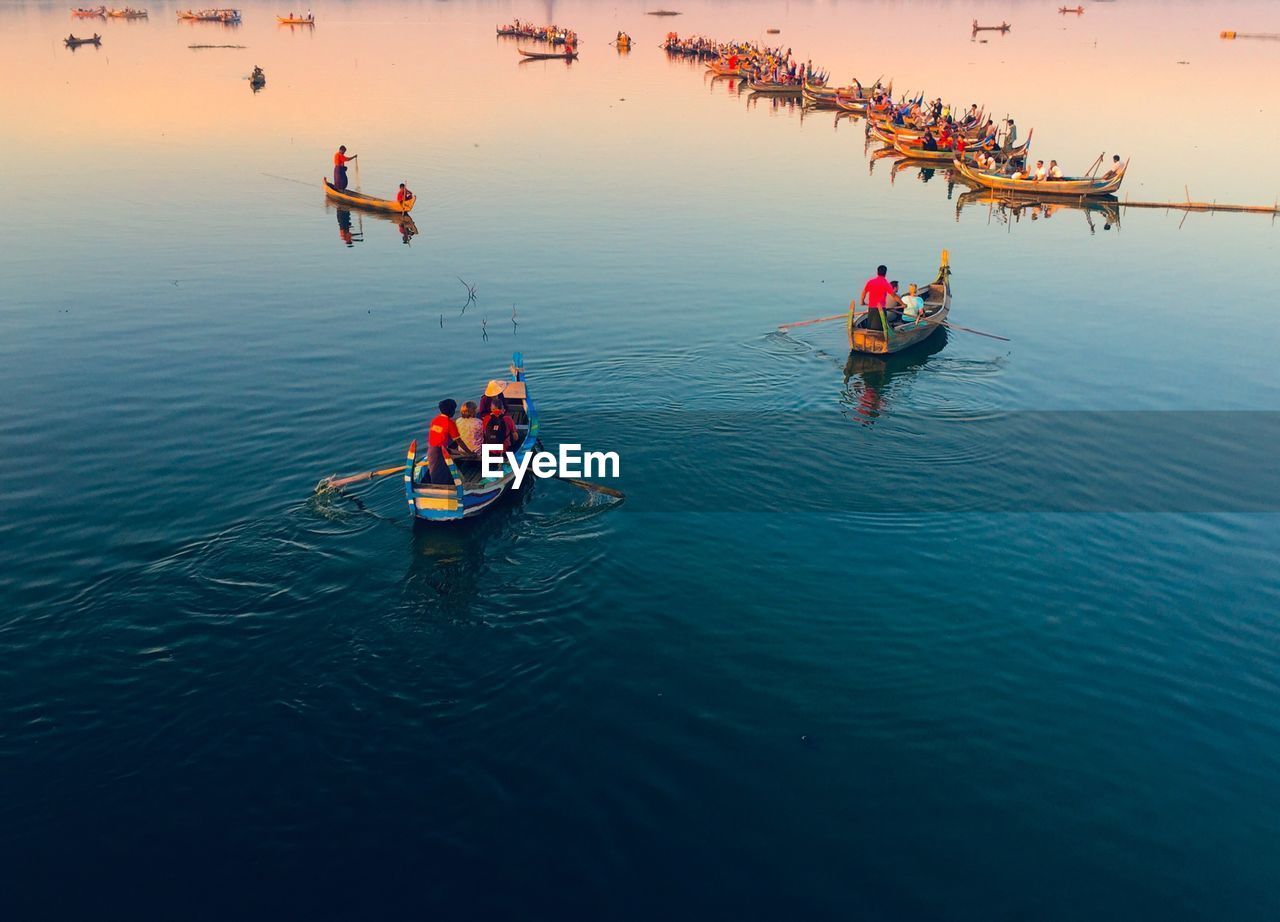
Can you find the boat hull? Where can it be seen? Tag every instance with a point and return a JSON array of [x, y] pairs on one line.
[[937, 295], [360, 200]]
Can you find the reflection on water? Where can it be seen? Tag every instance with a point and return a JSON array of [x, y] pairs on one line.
[[1010, 208], [872, 381]]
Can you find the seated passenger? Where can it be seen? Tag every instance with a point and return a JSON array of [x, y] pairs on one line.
[[929, 142], [1041, 173], [912, 305], [497, 426], [494, 388], [470, 429], [1055, 171]]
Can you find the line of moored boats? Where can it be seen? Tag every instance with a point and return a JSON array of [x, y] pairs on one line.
[[224, 15], [982, 152]]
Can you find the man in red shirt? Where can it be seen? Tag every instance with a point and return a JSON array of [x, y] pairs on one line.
[[443, 431], [340, 168], [404, 195], [875, 295]]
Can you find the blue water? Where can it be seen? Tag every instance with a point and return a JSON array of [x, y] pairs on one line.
[[827, 660]]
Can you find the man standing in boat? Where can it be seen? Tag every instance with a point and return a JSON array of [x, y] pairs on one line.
[[340, 168], [443, 432], [875, 296]]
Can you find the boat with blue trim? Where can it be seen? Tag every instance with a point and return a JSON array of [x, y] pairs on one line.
[[471, 493]]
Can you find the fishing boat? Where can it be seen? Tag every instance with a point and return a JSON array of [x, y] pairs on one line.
[[258, 79], [360, 200], [1071, 9], [100, 12], [721, 69], [72, 42], [127, 13], [567, 55], [1070, 186], [624, 41], [937, 304], [1002, 28], [292, 20], [471, 493]]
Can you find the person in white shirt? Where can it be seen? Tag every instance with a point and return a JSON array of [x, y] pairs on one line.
[[1041, 173], [1055, 171], [1116, 166]]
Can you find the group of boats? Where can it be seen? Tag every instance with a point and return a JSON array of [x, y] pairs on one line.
[[552, 34], [103, 12]]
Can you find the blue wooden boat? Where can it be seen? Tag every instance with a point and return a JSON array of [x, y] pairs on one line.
[[471, 494]]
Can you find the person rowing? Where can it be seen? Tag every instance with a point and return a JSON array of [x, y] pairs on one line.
[[876, 293]]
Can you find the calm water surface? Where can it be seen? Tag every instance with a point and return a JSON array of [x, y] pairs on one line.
[[827, 660]]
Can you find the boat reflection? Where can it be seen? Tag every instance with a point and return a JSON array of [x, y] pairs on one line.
[[872, 381], [350, 234], [1009, 209]]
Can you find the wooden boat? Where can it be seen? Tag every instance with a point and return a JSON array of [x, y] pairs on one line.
[[1002, 28], [72, 42], [937, 304], [1070, 9], [1073, 186], [471, 494], [100, 12], [296, 20], [914, 148], [662, 13], [127, 13], [776, 89], [230, 17], [546, 55], [772, 31], [360, 200], [724, 70], [624, 42]]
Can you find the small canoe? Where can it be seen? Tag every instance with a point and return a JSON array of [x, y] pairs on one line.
[[100, 12], [1070, 9], [127, 13], [360, 200], [73, 42], [937, 304], [1070, 186], [546, 55], [914, 147], [296, 20], [471, 494]]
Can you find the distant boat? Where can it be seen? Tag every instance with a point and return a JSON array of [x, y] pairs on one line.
[[360, 200], [73, 42], [662, 13], [541, 55], [292, 20], [100, 12], [127, 13]]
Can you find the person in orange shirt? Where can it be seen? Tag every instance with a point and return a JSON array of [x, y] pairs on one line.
[[442, 433], [340, 168], [404, 195]]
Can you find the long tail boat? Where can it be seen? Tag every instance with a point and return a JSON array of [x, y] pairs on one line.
[[937, 304], [471, 493], [1071, 186], [360, 200]]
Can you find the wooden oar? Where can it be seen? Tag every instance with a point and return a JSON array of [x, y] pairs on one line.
[[805, 323], [333, 483], [951, 326]]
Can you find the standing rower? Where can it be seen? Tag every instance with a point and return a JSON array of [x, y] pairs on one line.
[[340, 160], [875, 294]]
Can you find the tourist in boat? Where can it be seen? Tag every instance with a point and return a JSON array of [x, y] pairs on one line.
[[443, 430], [1055, 171], [1116, 167], [470, 428], [912, 305], [493, 389], [929, 142], [498, 427], [875, 297], [404, 195], [1041, 172], [340, 161]]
